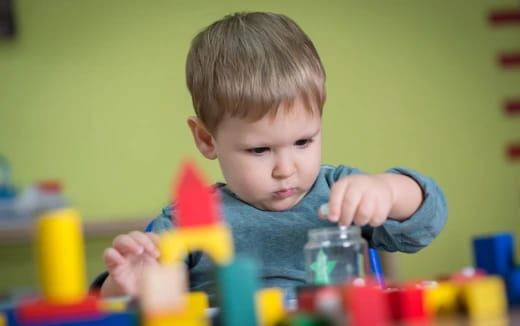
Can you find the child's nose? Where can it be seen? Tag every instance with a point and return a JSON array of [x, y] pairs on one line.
[[284, 168]]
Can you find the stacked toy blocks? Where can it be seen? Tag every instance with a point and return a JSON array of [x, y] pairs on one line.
[[363, 302], [198, 222], [163, 296], [495, 254], [64, 296], [200, 227], [479, 295]]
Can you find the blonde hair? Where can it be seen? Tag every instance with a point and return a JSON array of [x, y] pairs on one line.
[[247, 65]]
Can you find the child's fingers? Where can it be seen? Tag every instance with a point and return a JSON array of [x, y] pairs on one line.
[[349, 207], [125, 244], [364, 212], [112, 258], [154, 237], [146, 242], [379, 217], [337, 192]]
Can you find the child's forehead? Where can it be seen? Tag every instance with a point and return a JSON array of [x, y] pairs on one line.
[[283, 115], [293, 109], [283, 125]]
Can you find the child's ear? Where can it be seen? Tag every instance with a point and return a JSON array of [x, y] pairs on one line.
[[203, 138]]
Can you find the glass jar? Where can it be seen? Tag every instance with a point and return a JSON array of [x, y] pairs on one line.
[[335, 254]]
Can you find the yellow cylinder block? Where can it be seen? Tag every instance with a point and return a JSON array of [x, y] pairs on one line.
[[61, 257], [270, 306]]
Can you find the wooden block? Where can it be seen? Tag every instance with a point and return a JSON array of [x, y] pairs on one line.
[[195, 204], [111, 319], [513, 286], [305, 319], [443, 298], [485, 297], [407, 302], [305, 296], [197, 304], [41, 311], [214, 240], [237, 284], [61, 256], [366, 303], [270, 307], [494, 253], [114, 304]]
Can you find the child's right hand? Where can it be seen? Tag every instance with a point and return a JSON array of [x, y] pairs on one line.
[[125, 262]]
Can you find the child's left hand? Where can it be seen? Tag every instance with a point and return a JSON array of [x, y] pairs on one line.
[[360, 199]]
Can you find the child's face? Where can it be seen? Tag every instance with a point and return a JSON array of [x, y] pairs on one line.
[[271, 163]]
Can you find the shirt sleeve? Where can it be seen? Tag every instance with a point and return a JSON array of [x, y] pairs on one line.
[[421, 228], [162, 222]]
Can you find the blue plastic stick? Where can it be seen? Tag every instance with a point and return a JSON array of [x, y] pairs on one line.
[[375, 264]]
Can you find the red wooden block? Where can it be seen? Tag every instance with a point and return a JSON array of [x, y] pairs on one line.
[[505, 16], [510, 60], [196, 203], [38, 310], [513, 151], [407, 303], [512, 107], [305, 296], [366, 304]]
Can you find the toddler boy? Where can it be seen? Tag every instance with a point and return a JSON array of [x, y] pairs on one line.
[[258, 89]]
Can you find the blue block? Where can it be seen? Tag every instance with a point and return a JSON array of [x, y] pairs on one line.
[[7, 309], [9, 314], [494, 253], [110, 319], [513, 286]]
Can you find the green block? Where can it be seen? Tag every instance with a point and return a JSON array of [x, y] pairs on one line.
[[237, 284], [305, 319]]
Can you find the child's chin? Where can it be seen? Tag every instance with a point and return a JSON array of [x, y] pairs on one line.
[[282, 206]]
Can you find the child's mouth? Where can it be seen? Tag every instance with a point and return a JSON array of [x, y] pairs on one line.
[[284, 193]]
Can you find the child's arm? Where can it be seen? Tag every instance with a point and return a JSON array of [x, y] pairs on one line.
[[125, 261], [371, 199]]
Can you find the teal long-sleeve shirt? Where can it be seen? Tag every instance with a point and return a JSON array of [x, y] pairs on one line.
[[276, 239]]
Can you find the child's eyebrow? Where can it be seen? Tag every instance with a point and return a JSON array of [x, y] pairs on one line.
[[311, 134], [262, 143]]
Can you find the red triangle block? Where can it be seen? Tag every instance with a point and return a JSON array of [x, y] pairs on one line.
[[196, 203]]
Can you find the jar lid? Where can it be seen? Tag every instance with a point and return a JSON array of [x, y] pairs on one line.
[[342, 232]]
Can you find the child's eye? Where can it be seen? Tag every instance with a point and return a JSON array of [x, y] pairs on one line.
[[303, 142], [258, 150]]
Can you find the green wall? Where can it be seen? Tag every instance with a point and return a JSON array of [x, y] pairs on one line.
[[92, 93]]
